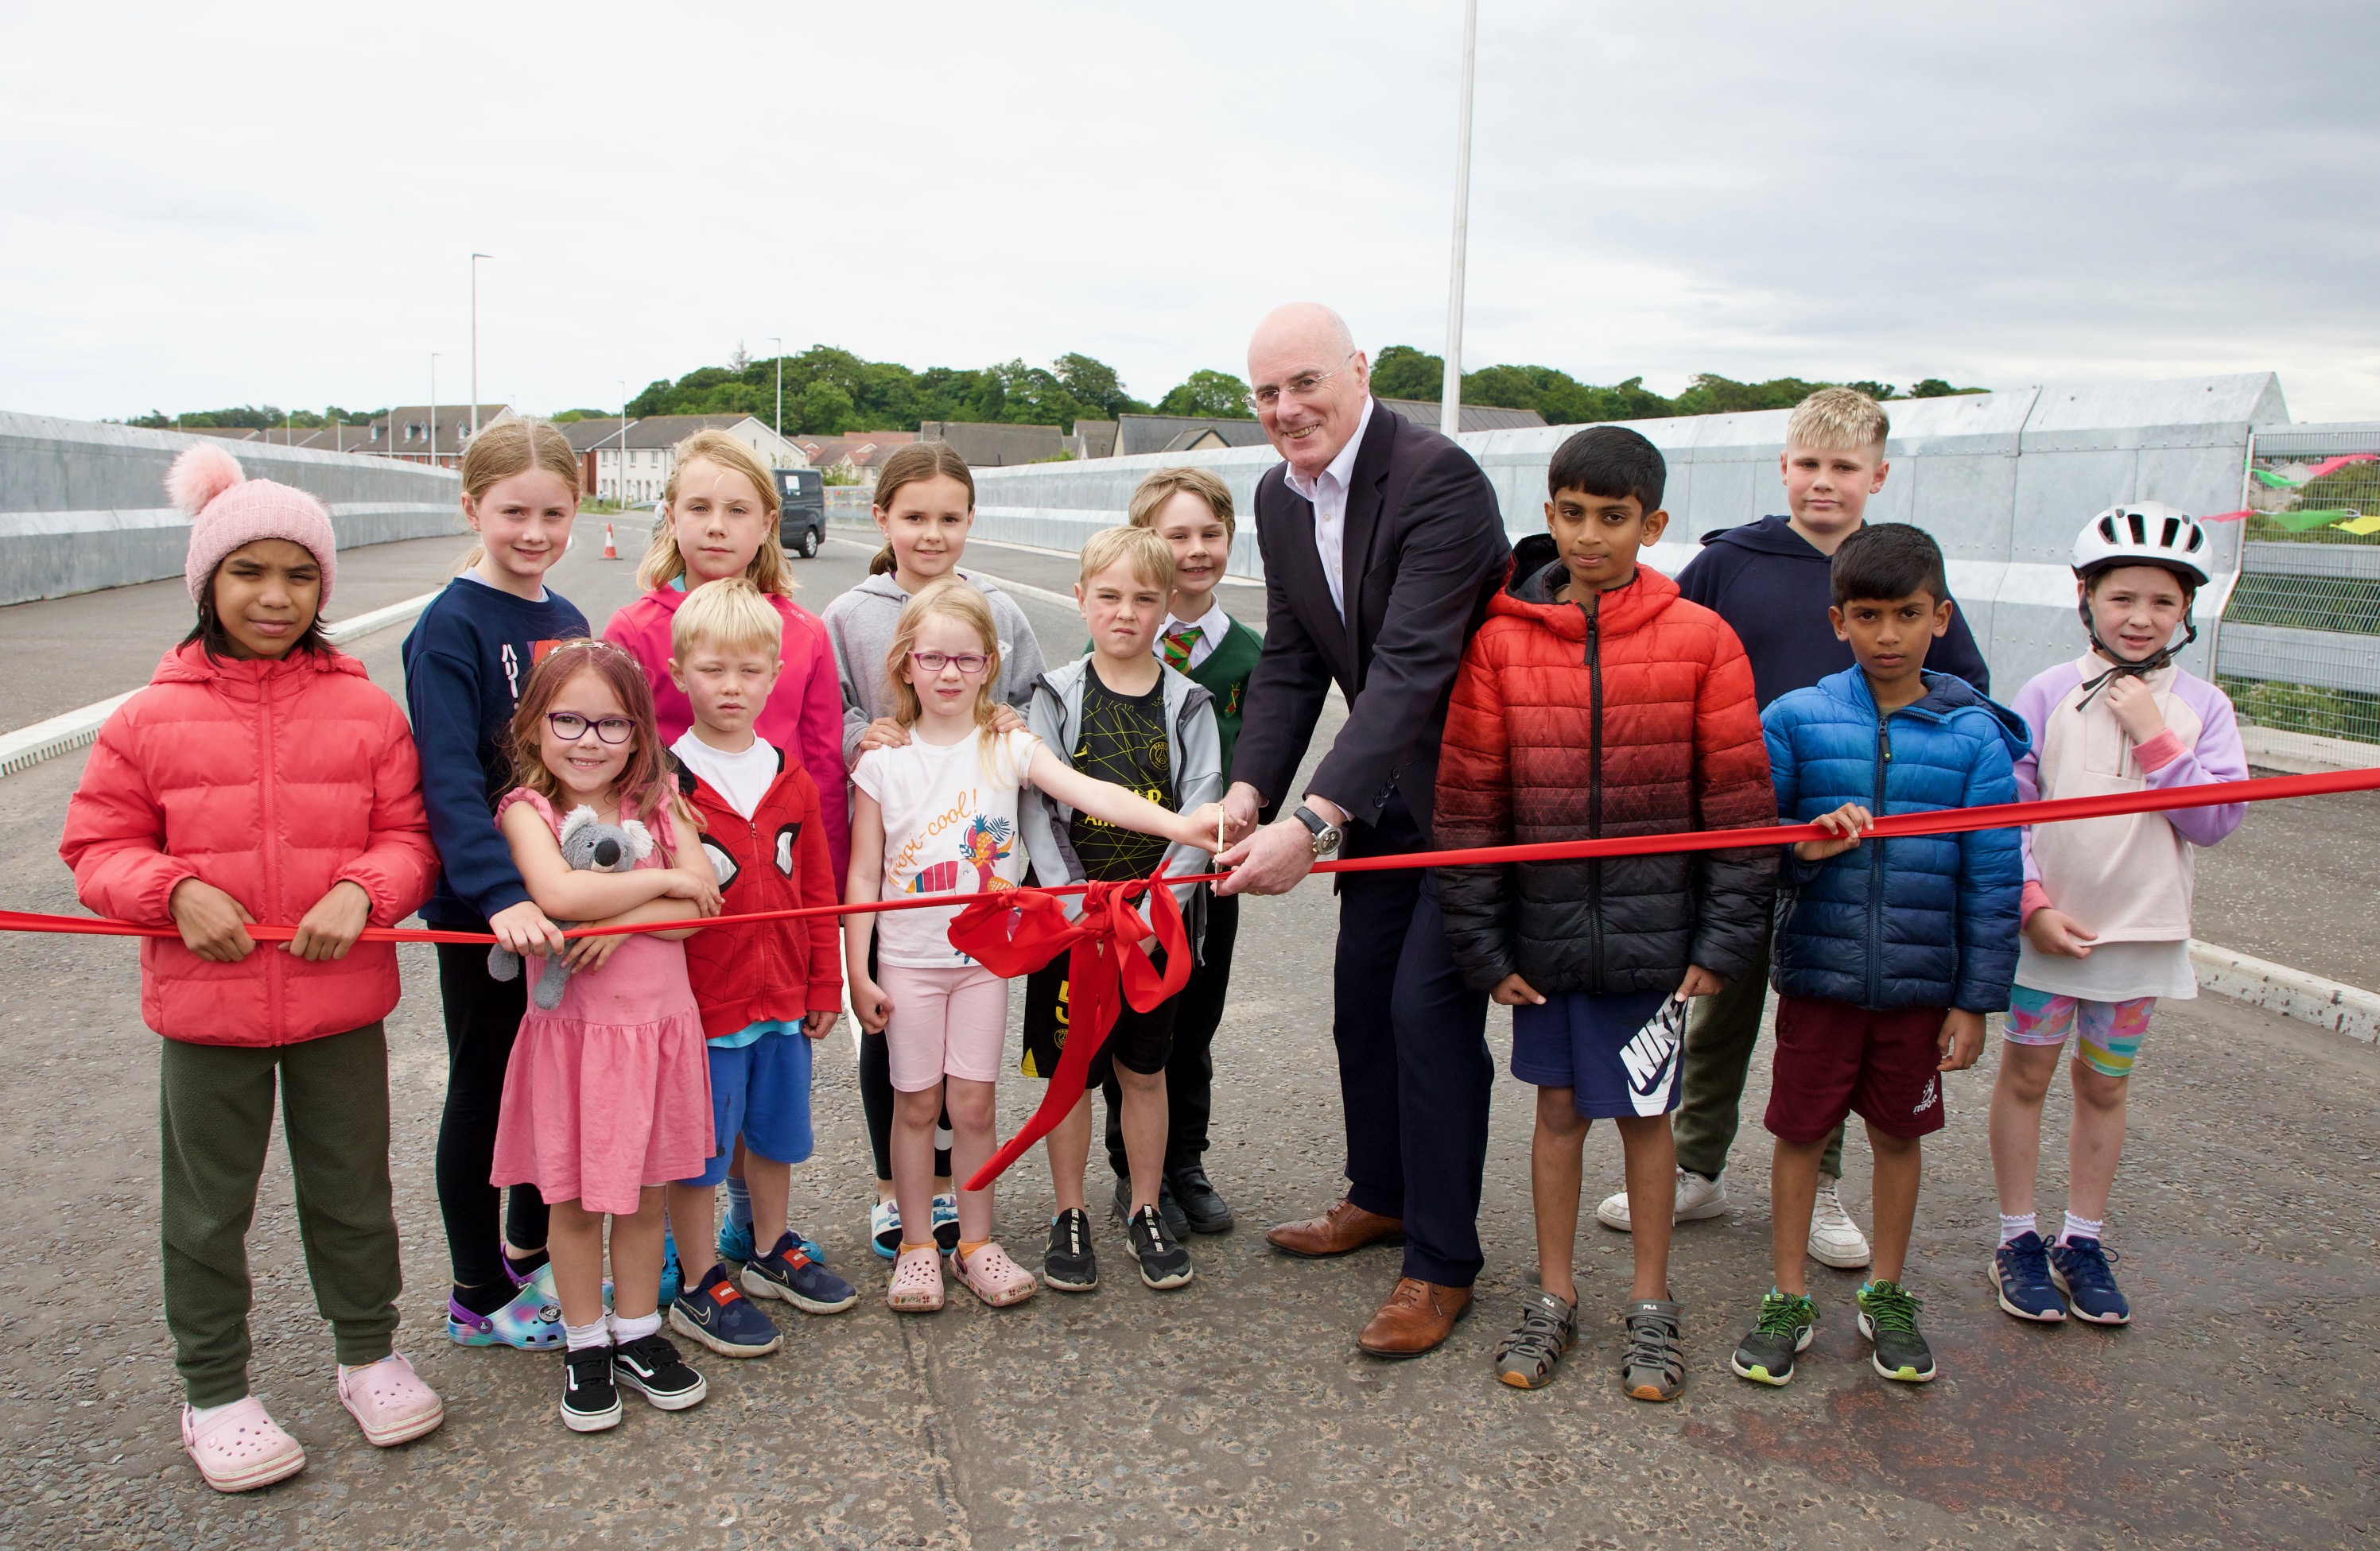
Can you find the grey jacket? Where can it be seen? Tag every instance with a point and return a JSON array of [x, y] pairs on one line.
[[861, 624], [1055, 716]]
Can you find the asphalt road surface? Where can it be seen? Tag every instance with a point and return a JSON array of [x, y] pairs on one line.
[[2236, 1412]]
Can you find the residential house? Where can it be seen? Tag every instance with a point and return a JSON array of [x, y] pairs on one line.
[[639, 471], [1475, 416], [344, 436], [994, 444], [856, 457], [405, 434], [1181, 433]]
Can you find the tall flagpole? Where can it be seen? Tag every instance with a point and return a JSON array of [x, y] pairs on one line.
[[1449, 415]]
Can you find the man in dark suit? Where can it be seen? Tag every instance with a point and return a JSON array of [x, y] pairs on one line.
[[1382, 544]]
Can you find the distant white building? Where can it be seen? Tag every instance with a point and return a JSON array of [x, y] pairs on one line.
[[639, 471]]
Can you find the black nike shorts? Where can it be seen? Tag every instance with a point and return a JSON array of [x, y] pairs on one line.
[[1143, 1042], [1590, 1045]]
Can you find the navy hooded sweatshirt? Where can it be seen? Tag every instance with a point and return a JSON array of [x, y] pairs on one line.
[[1771, 587]]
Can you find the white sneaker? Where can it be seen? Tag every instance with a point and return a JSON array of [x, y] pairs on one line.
[[1835, 1238], [1697, 1198]]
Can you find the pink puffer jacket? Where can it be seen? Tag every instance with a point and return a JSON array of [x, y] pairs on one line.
[[272, 782]]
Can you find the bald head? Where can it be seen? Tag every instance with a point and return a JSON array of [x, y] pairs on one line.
[[1310, 383]]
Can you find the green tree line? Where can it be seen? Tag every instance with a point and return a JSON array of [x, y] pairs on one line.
[[258, 417]]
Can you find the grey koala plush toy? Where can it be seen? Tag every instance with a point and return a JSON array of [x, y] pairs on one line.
[[589, 845]]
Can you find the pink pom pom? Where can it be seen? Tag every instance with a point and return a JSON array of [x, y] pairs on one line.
[[200, 474]]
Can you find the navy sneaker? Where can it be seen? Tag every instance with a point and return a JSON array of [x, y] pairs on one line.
[[2020, 1273], [792, 1273], [2080, 1268], [716, 1312]]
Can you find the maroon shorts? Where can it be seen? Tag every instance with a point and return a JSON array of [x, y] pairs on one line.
[[1833, 1058]]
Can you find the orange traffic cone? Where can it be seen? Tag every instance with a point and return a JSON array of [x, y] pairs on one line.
[[610, 550]]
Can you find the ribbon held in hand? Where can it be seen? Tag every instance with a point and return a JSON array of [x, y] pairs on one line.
[[1015, 932]]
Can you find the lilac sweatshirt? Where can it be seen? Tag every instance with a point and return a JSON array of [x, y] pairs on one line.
[[2128, 875]]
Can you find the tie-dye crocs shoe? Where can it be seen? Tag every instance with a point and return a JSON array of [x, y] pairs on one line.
[[532, 1321]]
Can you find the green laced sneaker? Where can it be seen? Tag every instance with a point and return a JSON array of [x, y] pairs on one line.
[[1788, 1320], [1888, 1317]]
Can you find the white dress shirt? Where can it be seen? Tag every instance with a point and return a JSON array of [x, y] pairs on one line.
[[1329, 494], [1210, 627]]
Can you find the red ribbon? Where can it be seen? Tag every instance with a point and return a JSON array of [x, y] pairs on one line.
[[1016, 931]]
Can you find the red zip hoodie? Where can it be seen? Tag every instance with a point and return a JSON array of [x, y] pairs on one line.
[[775, 860]]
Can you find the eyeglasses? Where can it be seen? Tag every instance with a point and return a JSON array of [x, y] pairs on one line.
[[1303, 386], [968, 663], [569, 726]]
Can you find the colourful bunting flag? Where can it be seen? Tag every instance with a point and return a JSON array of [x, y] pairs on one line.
[[2328, 466]]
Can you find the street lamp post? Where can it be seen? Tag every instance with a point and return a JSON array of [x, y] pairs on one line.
[[1449, 415], [433, 409], [475, 293], [780, 343]]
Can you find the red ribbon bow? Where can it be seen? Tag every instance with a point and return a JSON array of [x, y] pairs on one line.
[[1015, 932]]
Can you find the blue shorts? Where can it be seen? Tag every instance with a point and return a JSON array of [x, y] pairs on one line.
[[1581, 1042], [761, 1091]]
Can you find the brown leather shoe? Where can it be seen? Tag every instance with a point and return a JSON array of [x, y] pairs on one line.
[[1344, 1228], [1417, 1316]]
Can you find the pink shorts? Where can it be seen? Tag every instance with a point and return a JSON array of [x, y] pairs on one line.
[[945, 1023]]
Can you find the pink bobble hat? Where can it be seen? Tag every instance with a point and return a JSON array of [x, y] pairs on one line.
[[227, 509]]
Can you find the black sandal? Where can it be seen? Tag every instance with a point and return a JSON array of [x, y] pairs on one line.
[[1525, 1359]]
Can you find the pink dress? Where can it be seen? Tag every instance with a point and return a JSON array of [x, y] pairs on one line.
[[610, 1091]]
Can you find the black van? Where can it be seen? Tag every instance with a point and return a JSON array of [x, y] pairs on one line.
[[801, 511]]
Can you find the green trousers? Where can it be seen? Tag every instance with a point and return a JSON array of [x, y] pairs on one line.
[[215, 1115], [1720, 1038]]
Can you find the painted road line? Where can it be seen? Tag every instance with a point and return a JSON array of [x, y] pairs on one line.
[[28, 747]]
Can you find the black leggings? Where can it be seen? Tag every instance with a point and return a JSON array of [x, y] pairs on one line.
[[876, 1097], [483, 1016]]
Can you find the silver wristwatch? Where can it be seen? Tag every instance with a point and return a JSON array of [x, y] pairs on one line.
[[1326, 835]]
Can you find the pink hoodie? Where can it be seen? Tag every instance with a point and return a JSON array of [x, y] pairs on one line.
[[803, 715]]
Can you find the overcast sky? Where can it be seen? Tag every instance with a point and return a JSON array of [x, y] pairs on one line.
[[204, 206]]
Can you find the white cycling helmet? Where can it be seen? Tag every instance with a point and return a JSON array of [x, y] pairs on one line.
[[2143, 533]]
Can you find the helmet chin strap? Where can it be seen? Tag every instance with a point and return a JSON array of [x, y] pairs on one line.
[[2122, 668]]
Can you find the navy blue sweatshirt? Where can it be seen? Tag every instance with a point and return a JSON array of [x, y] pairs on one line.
[[1771, 587], [466, 663]]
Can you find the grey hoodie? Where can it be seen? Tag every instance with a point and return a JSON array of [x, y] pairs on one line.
[[1055, 716], [861, 625]]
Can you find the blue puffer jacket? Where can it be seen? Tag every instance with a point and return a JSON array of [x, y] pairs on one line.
[[1921, 921]]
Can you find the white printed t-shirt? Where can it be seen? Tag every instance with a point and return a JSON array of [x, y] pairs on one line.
[[743, 779], [949, 828]]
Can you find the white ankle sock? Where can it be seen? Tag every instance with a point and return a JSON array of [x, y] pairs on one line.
[[201, 1415], [2013, 1228], [586, 1338], [624, 1330], [2081, 1228]]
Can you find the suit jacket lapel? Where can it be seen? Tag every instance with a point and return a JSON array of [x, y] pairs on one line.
[[1364, 507]]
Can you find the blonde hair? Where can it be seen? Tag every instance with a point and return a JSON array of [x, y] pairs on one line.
[[1149, 496], [910, 463], [1152, 558], [731, 614], [1837, 417], [514, 445], [948, 599], [663, 564]]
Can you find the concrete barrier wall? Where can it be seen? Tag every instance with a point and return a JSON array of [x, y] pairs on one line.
[[2003, 480], [82, 505]]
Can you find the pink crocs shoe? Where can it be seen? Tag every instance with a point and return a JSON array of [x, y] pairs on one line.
[[916, 1285], [993, 1277], [241, 1448], [389, 1402]]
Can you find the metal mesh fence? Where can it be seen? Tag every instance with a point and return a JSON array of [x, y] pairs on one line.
[[2299, 650]]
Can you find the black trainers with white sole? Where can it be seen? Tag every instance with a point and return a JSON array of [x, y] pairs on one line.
[[590, 1401], [650, 1366], [1069, 1264], [1164, 1264]]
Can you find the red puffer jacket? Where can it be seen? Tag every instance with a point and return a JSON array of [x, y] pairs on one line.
[[1628, 715], [774, 860], [272, 782]]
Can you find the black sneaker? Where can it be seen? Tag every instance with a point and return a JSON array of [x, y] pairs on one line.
[[1070, 1264], [1201, 1205], [650, 1366], [1888, 1317], [1177, 1222], [590, 1403], [1788, 1320], [715, 1311], [1164, 1264]]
